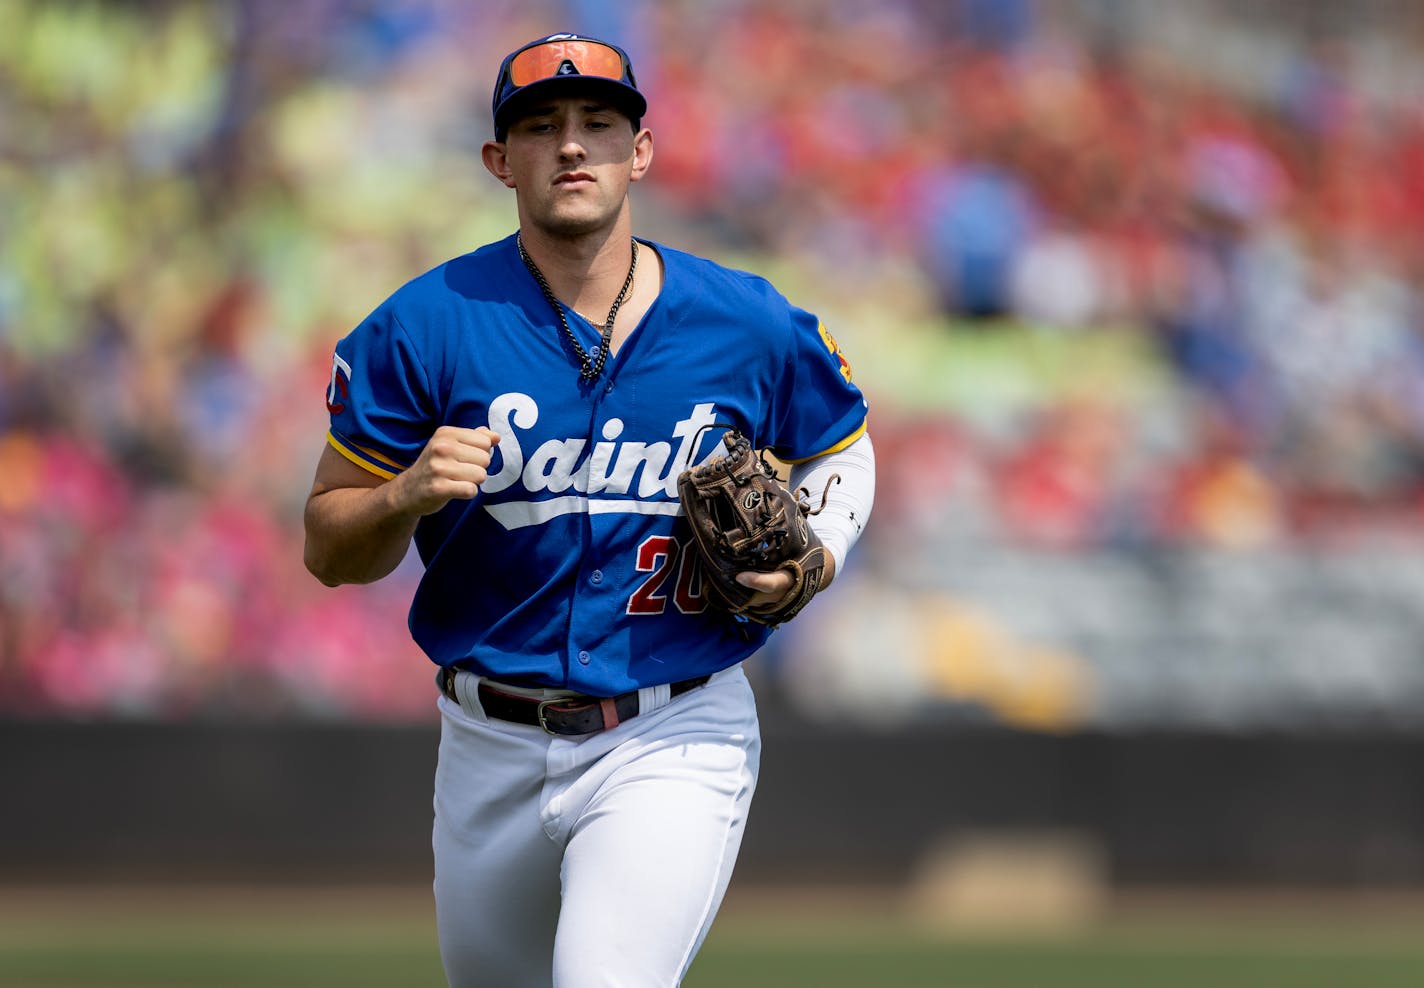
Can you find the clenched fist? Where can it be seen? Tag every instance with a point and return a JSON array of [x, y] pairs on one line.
[[453, 465]]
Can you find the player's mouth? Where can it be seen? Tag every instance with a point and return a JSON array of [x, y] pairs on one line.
[[574, 179]]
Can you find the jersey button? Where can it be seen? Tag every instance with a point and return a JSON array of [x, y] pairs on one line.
[[596, 576], [584, 658]]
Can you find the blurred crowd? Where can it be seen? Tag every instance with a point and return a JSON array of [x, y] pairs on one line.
[[1260, 240], [1105, 285]]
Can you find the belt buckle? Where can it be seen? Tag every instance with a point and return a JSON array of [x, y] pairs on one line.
[[539, 713], [570, 704]]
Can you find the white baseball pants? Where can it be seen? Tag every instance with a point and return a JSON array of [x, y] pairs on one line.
[[594, 862]]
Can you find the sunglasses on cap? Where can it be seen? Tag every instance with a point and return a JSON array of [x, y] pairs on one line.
[[551, 59], [563, 59]]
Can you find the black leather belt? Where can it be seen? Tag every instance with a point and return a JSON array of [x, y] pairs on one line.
[[568, 717]]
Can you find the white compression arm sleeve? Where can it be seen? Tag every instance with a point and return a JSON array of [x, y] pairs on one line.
[[848, 502]]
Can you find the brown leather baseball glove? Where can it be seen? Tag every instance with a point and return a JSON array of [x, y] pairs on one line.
[[744, 518]]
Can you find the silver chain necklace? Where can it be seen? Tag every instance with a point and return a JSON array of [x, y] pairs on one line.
[[592, 362]]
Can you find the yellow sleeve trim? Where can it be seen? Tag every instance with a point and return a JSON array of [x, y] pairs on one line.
[[837, 447], [380, 457], [359, 458]]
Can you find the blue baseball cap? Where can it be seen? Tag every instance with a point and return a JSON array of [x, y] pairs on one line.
[[563, 61]]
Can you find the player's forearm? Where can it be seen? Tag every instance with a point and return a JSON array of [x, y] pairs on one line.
[[848, 499], [356, 535]]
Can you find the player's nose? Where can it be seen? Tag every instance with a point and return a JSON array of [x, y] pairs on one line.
[[570, 147]]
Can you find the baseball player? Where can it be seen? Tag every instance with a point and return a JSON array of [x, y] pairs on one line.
[[523, 413]]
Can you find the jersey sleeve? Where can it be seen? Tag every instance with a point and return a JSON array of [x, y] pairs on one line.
[[379, 396], [817, 408]]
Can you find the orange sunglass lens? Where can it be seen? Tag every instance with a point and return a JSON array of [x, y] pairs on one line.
[[543, 61]]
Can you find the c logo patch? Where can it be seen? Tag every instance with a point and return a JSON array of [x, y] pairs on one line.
[[337, 389]]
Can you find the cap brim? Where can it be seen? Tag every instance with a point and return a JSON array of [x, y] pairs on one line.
[[628, 100]]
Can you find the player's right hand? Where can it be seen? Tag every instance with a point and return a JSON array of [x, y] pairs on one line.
[[452, 466]]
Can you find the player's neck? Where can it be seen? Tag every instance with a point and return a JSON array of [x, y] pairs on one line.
[[582, 271]]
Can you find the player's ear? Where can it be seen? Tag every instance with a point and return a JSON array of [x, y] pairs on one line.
[[496, 158], [642, 153]]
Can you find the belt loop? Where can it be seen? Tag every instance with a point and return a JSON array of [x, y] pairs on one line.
[[650, 698], [467, 690]]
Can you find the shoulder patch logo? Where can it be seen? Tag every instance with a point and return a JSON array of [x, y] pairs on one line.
[[834, 349], [338, 390]]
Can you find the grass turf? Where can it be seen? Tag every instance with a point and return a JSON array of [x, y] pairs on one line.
[[380, 937]]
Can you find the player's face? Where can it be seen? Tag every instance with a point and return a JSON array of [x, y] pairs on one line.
[[570, 162]]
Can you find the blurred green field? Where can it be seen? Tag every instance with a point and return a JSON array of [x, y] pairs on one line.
[[364, 938]]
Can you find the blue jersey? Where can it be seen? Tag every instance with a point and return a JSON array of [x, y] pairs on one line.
[[572, 567]]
